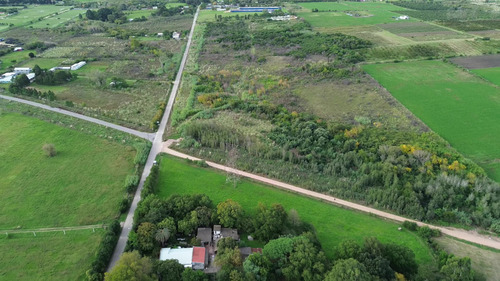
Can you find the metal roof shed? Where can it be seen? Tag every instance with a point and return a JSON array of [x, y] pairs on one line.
[[183, 255]]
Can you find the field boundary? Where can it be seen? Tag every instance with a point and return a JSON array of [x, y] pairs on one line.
[[470, 236], [53, 229]]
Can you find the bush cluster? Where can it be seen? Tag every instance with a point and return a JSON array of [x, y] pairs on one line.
[[104, 252]]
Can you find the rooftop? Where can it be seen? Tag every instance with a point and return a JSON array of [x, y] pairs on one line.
[[183, 255], [199, 254]]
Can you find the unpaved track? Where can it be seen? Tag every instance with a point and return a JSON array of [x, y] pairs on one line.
[[471, 236], [148, 136], [53, 229], [155, 149]]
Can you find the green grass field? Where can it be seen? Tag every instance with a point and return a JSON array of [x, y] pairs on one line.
[[56, 20], [45, 63], [138, 14], [490, 74], [335, 13], [48, 256], [32, 14], [459, 106], [14, 58], [81, 185], [333, 224]]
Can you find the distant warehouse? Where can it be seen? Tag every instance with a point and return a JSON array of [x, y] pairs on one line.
[[255, 9]]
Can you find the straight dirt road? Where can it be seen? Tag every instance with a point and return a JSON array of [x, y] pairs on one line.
[[471, 236], [155, 149], [148, 136]]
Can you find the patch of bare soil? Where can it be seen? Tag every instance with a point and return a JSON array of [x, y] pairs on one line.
[[478, 62]]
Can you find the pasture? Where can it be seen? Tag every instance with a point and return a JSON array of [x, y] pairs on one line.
[[337, 14], [333, 224], [490, 74], [14, 58], [81, 185], [57, 20], [459, 106], [35, 14], [48, 256]]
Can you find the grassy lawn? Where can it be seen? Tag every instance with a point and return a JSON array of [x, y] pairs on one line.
[[45, 63], [48, 256], [138, 14], [13, 58], [490, 74], [33, 13], [334, 14], [333, 224], [459, 106], [81, 185], [56, 20]]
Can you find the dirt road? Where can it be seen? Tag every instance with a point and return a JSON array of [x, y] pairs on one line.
[[471, 236]]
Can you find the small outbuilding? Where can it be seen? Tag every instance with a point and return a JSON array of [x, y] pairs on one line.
[[204, 235], [176, 35], [18, 49]]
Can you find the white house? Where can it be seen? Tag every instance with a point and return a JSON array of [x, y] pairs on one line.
[[31, 77], [22, 70], [18, 49], [176, 35]]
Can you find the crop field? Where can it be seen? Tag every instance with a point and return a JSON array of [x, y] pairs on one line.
[[81, 185], [334, 14], [478, 62], [490, 74], [333, 224], [421, 31], [460, 107], [33, 13], [48, 256]]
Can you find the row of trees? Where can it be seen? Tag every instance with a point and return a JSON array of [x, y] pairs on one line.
[[19, 87], [58, 77]]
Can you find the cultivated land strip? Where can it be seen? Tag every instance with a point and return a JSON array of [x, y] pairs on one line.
[[454, 232], [155, 149], [54, 229], [148, 136]]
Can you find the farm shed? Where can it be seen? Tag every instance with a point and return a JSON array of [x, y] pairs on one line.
[[22, 70]]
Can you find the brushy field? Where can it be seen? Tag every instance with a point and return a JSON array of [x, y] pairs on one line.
[[81, 185], [485, 262], [48, 256], [334, 14], [490, 74], [459, 106], [333, 224], [42, 62]]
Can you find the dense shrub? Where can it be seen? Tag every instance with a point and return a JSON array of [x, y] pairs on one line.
[[104, 252]]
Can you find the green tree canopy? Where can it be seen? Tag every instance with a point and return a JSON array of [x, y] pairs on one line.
[[169, 270], [131, 266], [230, 213], [348, 270]]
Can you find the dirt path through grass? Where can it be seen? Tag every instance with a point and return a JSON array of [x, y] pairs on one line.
[[471, 236]]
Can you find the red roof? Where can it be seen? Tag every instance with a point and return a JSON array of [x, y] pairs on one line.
[[199, 255]]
